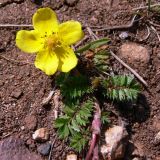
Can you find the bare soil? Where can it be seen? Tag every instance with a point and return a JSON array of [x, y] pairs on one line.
[[23, 87]]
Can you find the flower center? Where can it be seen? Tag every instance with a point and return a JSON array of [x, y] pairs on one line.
[[53, 42]]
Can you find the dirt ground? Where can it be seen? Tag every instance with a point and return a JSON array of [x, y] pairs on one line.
[[23, 87]]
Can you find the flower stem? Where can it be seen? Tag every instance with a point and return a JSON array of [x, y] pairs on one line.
[[96, 126]]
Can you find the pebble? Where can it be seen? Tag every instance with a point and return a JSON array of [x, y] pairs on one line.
[[22, 128], [116, 139], [41, 135], [44, 149], [16, 94], [135, 158], [123, 35], [134, 53], [71, 157], [31, 122]]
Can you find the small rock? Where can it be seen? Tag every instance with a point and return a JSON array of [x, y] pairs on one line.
[[44, 149], [116, 139], [41, 135], [31, 122], [15, 149], [71, 157], [157, 138], [135, 158], [123, 35], [16, 94], [71, 2], [134, 53], [22, 128]]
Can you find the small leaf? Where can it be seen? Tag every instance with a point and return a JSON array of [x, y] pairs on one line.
[[99, 43], [61, 121], [68, 110], [93, 45], [63, 131], [121, 87]]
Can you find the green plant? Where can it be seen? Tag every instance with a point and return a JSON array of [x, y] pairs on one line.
[[74, 122], [76, 89], [73, 87]]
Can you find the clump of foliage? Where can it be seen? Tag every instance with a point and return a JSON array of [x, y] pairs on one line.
[[74, 124], [73, 87], [77, 90]]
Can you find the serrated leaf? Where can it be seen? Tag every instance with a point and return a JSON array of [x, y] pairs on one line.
[[78, 141], [121, 88], [80, 120], [121, 95], [129, 80], [63, 131], [68, 110], [73, 87], [61, 121]]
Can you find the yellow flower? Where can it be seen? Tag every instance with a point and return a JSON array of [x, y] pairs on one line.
[[51, 41]]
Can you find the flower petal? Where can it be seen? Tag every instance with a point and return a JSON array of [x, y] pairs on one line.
[[29, 41], [67, 58], [45, 20], [71, 32], [47, 61]]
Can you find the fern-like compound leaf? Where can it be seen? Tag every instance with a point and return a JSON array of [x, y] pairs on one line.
[[121, 87]]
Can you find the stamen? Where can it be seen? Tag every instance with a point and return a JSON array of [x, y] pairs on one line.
[[52, 42]]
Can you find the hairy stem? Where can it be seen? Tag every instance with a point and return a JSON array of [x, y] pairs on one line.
[[96, 127]]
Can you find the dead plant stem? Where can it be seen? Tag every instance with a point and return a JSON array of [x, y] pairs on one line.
[[130, 69], [146, 7], [103, 28], [14, 61], [15, 25]]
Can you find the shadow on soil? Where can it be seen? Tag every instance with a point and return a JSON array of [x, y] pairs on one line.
[[133, 112], [136, 112]]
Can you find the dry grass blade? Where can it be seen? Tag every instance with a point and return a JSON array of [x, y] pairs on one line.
[[15, 25], [130, 69]]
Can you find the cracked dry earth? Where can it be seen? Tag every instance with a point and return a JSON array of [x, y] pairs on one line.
[[23, 87]]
